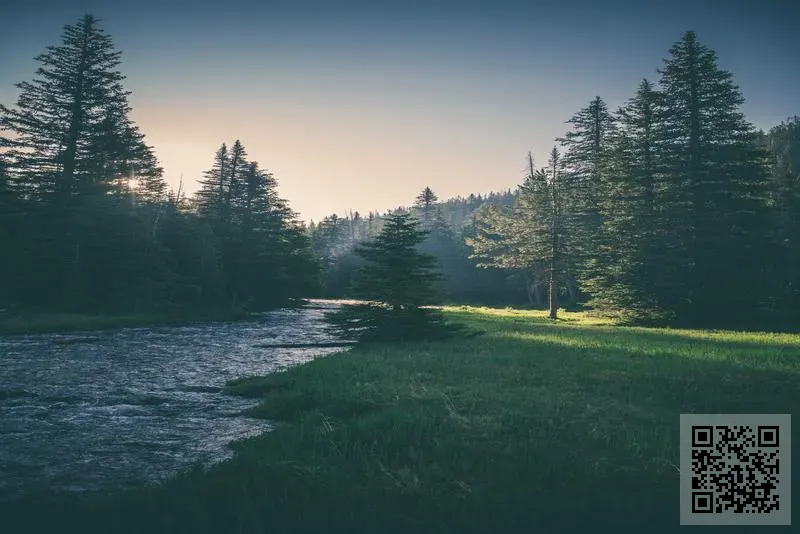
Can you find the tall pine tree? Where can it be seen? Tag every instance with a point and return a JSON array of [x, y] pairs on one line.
[[540, 233], [71, 129], [713, 191], [585, 147], [628, 256]]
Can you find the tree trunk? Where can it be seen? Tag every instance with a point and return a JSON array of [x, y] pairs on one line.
[[556, 216], [553, 296]]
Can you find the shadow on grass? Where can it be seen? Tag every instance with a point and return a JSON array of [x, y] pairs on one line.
[[532, 427]]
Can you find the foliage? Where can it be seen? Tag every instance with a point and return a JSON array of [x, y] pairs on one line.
[[449, 223], [622, 282], [540, 235], [397, 281], [95, 229], [70, 131], [677, 213]]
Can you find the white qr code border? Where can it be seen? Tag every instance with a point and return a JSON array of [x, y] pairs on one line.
[[700, 438]]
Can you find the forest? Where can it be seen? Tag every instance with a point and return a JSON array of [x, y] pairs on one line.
[[671, 210]]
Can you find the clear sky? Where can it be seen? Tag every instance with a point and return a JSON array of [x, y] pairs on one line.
[[359, 105]]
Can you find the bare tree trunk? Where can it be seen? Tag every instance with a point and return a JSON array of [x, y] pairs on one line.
[[554, 237]]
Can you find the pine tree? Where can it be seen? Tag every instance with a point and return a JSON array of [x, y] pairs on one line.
[[783, 144], [150, 187], [549, 195], [426, 204], [210, 198], [538, 235], [265, 253], [399, 281], [70, 123], [628, 256], [397, 273], [235, 186], [713, 191], [585, 147]]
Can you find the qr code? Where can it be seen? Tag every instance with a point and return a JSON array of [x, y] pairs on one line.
[[735, 469]]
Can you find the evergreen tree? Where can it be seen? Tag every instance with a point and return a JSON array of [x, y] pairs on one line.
[[712, 191], [70, 124], [783, 144], [426, 204], [210, 198], [538, 236], [628, 254], [397, 273], [585, 147], [150, 186], [398, 280], [234, 187], [67, 142], [264, 252]]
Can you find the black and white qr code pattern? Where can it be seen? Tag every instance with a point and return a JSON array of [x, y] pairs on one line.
[[735, 468]]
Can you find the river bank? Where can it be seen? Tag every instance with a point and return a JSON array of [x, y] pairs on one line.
[[534, 425], [121, 407]]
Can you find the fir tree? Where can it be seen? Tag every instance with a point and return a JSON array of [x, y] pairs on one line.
[[712, 190], [585, 147], [398, 280], [70, 123], [538, 235], [426, 204], [628, 255], [210, 198], [783, 144]]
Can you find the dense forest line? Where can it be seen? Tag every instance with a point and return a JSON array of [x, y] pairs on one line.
[[672, 209], [90, 225]]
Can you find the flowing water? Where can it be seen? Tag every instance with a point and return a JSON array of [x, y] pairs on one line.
[[123, 407]]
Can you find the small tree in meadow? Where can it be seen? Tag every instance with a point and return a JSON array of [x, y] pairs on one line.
[[397, 285]]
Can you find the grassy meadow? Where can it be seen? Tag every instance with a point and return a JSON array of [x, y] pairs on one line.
[[529, 426]]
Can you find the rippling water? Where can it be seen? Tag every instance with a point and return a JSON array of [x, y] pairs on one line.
[[116, 408]]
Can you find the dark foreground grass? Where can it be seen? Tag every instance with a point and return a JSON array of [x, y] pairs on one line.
[[41, 322], [533, 426]]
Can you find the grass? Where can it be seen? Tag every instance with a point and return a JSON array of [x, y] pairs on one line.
[[41, 322], [532, 426]]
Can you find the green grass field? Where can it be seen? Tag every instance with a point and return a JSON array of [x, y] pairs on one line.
[[532, 426]]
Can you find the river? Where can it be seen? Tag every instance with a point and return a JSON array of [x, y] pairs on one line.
[[118, 408]]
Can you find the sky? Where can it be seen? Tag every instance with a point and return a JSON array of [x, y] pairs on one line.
[[360, 105]]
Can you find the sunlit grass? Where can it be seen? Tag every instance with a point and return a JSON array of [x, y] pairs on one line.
[[534, 425]]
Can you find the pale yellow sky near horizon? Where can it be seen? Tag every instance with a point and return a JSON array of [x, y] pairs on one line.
[[330, 157]]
